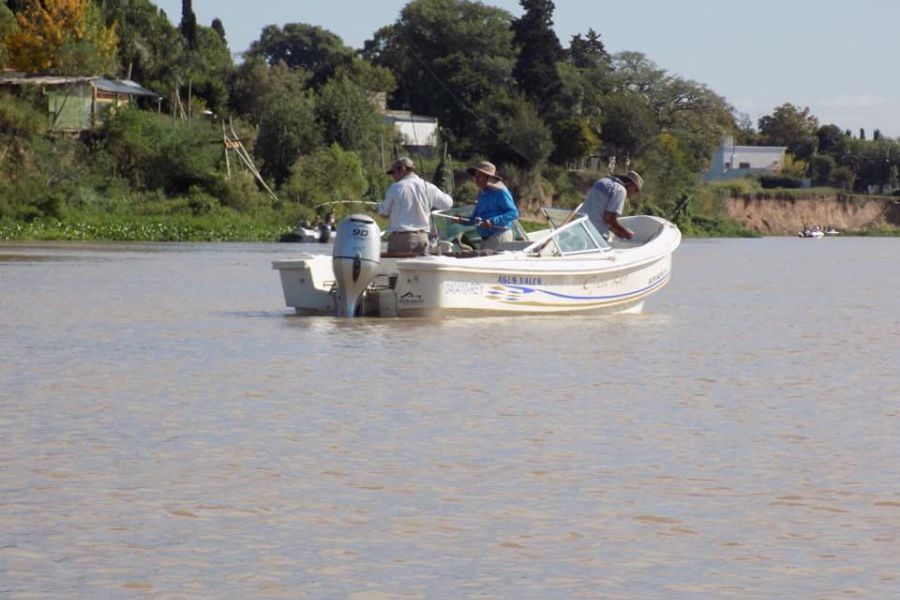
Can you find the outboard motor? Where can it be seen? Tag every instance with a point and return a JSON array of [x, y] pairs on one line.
[[355, 259], [324, 233]]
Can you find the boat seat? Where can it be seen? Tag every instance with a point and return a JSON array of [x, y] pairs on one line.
[[514, 245]]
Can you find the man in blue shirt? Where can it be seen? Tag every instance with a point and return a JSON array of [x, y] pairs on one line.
[[495, 209], [606, 200]]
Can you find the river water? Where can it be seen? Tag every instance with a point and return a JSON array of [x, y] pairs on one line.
[[170, 430]]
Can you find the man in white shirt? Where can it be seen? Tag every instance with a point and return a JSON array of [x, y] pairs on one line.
[[409, 202]]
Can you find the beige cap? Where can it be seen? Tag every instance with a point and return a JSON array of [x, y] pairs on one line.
[[634, 178], [403, 161], [484, 167]]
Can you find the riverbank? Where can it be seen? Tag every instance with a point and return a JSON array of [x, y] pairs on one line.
[[768, 216], [787, 216]]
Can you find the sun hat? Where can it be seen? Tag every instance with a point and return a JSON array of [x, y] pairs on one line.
[[484, 167], [634, 178], [403, 161]]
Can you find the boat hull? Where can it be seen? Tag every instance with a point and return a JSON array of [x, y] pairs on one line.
[[427, 289]]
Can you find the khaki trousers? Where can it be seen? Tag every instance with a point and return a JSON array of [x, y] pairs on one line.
[[407, 241]]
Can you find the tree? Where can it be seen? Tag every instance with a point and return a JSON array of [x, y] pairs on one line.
[[821, 167], [62, 36], [302, 47], [219, 28], [518, 136], [831, 140], [188, 25], [326, 175], [209, 66], [370, 78], [254, 82], [148, 42], [539, 51], [587, 52], [876, 160], [745, 132], [7, 25], [287, 129], [448, 56], [348, 118], [573, 139], [443, 174], [793, 127], [670, 173]]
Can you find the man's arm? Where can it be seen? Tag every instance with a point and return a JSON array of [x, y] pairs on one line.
[[384, 208], [612, 221], [440, 200]]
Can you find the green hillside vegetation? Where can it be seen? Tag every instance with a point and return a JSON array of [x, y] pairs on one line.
[[301, 103]]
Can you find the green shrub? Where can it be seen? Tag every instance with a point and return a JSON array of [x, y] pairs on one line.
[[327, 175], [19, 117], [779, 181], [241, 192], [155, 152]]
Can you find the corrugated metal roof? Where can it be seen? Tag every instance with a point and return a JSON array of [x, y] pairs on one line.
[[115, 86], [122, 86]]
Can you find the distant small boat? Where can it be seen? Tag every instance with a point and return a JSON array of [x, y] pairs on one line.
[[811, 233], [304, 234], [832, 231]]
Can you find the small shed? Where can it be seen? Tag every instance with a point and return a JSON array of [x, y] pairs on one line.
[[76, 104]]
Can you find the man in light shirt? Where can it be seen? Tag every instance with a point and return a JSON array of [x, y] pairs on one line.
[[605, 202], [408, 203]]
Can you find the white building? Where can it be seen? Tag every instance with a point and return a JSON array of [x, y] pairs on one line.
[[419, 133], [733, 162]]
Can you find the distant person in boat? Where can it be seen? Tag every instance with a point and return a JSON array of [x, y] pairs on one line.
[[495, 209], [605, 202], [408, 203]]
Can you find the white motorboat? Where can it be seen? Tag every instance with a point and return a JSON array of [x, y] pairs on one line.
[[306, 234], [815, 232], [566, 269]]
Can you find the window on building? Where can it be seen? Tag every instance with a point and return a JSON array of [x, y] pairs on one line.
[[744, 165]]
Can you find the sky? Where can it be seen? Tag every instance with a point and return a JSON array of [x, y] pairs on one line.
[[839, 58]]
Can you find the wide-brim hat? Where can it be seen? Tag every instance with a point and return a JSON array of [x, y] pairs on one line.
[[485, 167], [634, 178], [403, 161]]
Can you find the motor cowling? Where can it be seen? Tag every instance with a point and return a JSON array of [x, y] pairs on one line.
[[355, 259]]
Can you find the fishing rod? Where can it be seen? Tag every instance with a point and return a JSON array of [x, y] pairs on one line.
[[347, 202]]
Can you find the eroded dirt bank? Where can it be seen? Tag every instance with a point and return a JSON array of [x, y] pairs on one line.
[[787, 217]]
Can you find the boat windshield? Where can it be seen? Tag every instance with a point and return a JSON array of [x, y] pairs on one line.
[[448, 228], [576, 237], [557, 216]]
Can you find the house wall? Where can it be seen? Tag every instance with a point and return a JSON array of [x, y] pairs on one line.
[[417, 133], [70, 110], [733, 162]]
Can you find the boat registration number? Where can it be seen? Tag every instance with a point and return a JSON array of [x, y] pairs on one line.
[[462, 288]]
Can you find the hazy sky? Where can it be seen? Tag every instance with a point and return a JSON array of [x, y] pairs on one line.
[[837, 57]]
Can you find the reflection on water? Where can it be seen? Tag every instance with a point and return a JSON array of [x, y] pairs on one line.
[[171, 431]]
